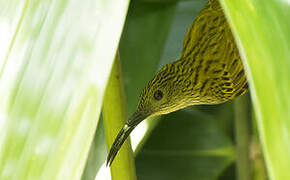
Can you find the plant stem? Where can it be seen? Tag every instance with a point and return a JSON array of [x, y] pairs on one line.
[[114, 115], [256, 155], [242, 133]]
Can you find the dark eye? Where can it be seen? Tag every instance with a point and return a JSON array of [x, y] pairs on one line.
[[158, 95]]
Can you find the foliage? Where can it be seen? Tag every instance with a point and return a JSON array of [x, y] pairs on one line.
[[262, 32], [54, 66], [55, 61]]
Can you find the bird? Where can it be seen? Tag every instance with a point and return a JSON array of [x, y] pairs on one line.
[[209, 71]]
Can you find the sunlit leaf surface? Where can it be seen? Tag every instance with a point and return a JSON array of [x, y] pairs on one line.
[[54, 62], [262, 31]]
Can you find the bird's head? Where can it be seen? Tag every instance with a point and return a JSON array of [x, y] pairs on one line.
[[168, 91]]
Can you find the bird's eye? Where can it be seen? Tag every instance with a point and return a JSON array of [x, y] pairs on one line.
[[158, 95]]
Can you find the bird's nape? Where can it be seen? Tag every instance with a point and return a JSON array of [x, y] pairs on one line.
[[133, 121]]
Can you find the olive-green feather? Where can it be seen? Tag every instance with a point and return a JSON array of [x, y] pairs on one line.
[[209, 71]]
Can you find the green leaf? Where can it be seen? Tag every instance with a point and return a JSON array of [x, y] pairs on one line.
[[262, 31], [185, 14], [185, 144], [53, 71], [97, 153], [141, 45]]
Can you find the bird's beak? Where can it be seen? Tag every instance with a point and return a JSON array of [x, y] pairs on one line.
[[133, 121]]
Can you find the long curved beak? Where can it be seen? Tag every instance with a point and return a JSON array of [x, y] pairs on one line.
[[133, 121]]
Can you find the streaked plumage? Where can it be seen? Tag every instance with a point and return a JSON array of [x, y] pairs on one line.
[[209, 71]]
